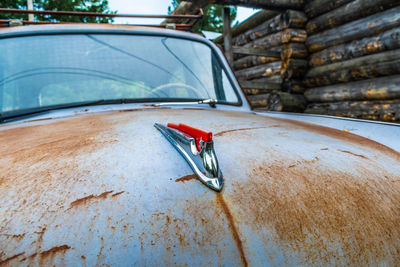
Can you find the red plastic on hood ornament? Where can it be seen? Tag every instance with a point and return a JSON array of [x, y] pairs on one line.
[[197, 134], [197, 148]]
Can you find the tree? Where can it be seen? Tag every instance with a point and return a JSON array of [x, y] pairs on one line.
[[100, 6], [212, 19]]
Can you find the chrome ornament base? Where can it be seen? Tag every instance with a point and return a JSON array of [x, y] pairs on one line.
[[203, 162]]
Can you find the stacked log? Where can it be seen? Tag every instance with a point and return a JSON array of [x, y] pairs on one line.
[[280, 5], [347, 13], [354, 62], [289, 19], [355, 30], [372, 89], [274, 71], [388, 110], [279, 101], [387, 40], [371, 66], [261, 86], [250, 23]]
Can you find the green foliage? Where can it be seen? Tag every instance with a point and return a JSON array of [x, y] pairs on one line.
[[100, 6], [212, 19]]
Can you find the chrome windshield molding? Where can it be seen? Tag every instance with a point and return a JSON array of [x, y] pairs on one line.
[[204, 163], [210, 102]]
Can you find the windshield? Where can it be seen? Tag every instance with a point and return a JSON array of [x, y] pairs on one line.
[[47, 70]]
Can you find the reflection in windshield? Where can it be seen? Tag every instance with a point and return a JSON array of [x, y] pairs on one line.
[[42, 71]]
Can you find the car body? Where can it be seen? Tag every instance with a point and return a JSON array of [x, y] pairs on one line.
[[100, 185]]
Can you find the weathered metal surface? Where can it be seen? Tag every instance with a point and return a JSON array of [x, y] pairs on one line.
[[97, 189], [381, 132]]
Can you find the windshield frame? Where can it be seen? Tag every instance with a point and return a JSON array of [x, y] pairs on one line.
[[111, 30]]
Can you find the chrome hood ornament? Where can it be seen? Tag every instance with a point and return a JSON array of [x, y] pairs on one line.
[[197, 147]]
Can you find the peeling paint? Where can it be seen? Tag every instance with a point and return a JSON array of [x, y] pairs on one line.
[[221, 202], [235, 130], [186, 178], [117, 194], [54, 250], [354, 154], [84, 200], [5, 261]]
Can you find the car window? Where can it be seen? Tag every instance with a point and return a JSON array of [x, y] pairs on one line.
[[56, 69]]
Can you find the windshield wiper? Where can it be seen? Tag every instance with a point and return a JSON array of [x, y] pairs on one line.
[[17, 114], [209, 101]]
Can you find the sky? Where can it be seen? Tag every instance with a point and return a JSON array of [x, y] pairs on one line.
[[157, 7]]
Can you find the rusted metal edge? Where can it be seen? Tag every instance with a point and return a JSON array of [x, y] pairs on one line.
[[7, 23], [95, 14], [192, 19]]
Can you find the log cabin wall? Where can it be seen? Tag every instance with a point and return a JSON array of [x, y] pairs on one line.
[[354, 58], [270, 61]]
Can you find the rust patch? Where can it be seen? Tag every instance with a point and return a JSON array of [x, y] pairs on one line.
[[193, 109], [17, 236], [41, 234], [131, 110], [117, 194], [186, 178], [62, 137], [84, 200], [235, 130], [54, 250], [325, 148], [43, 119], [354, 154], [320, 215], [221, 202], [5, 261]]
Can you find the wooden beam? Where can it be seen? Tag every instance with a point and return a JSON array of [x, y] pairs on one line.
[[260, 71], [355, 63], [388, 110], [250, 23], [226, 14], [279, 38], [315, 8], [286, 102], [271, 79], [384, 41], [259, 91], [186, 7], [258, 101], [358, 29], [293, 86], [279, 101], [289, 19], [255, 51], [349, 12], [250, 61], [294, 50], [279, 5], [259, 85], [293, 68], [379, 88], [354, 74]]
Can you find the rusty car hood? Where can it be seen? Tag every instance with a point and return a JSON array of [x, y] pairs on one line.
[[108, 188]]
